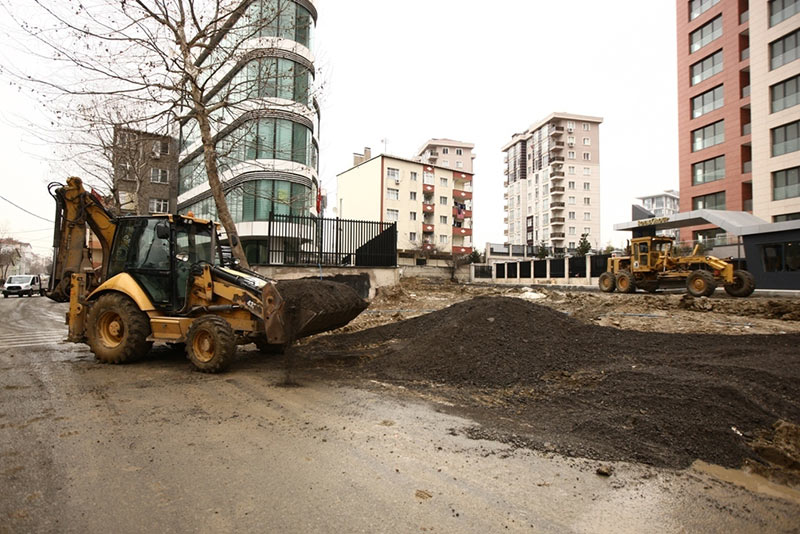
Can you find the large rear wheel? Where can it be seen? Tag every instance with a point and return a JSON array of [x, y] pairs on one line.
[[625, 282], [607, 282], [743, 284], [211, 344], [117, 330], [701, 284]]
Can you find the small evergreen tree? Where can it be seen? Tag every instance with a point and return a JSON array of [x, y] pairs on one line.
[[542, 252], [584, 247]]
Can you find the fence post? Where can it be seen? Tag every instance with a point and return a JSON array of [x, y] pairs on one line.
[[566, 269], [269, 238], [548, 269], [588, 269]]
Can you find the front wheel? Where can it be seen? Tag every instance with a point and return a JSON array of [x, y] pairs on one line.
[[210, 344], [607, 283], [625, 282], [743, 284], [117, 330]]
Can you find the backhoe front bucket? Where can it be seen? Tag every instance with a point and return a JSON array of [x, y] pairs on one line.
[[307, 307]]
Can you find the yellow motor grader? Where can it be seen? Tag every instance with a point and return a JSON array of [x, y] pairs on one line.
[[163, 279], [652, 264]]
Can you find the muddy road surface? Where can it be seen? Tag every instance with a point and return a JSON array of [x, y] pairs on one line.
[[154, 446]]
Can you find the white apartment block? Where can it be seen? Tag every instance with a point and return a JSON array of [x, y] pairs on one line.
[[553, 183], [432, 205], [662, 204], [447, 153]]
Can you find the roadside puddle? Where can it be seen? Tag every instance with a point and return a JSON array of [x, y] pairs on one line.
[[749, 481]]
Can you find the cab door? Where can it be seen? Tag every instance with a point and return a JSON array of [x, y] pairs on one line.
[[643, 256]]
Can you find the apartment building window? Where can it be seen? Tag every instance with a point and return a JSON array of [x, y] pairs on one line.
[[705, 34], [587, 186], [571, 201], [392, 174], [459, 164], [784, 94], [445, 150], [781, 256], [412, 215], [459, 152], [571, 170], [443, 219], [706, 68], [443, 182], [427, 178], [587, 127], [786, 139], [570, 125], [443, 201], [711, 135], [443, 239], [571, 154], [780, 10], [783, 50], [161, 148], [412, 236], [587, 171], [572, 245], [412, 195], [698, 7], [159, 176], [786, 184], [587, 141], [587, 201], [445, 163], [413, 176], [571, 230], [545, 220], [587, 216], [392, 215], [393, 194], [787, 217], [714, 201], [587, 156], [709, 170], [158, 205], [570, 185], [708, 101], [586, 230], [571, 215]]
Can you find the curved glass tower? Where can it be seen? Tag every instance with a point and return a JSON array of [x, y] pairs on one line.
[[266, 132]]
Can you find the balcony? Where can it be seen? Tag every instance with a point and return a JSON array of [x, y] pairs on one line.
[[556, 159], [558, 235], [558, 220], [746, 129], [557, 189], [462, 250], [430, 247], [747, 205], [427, 229], [461, 214], [428, 189], [745, 54], [744, 17], [461, 232], [745, 91], [747, 167], [459, 194], [428, 208], [556, 145], [557, 174], [462, 177], [557, 205], [556, 130]]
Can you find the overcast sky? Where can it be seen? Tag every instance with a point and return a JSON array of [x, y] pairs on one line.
[[475, 71]]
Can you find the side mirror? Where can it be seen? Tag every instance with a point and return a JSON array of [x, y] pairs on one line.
[[162, 231]]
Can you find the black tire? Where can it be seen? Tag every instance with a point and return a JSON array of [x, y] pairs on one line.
[[701, 283], [625, 282], [5, 295], [210, 344], [743, 284], [117, 330], [30, 293], [269, 348], [607, 282]]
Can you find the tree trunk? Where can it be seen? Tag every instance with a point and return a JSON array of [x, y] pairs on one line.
[[224, 214]]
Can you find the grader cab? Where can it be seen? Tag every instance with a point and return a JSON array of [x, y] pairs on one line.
[[653, 263]]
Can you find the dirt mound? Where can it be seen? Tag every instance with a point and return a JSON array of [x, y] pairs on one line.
[[586, 390]]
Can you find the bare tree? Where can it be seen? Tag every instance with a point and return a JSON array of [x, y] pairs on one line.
[[162, 62]]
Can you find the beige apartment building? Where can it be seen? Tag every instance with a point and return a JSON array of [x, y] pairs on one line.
[[447, 153], [431, 204], [553, 183]]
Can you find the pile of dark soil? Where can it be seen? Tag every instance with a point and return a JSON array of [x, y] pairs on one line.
[[561, 385]]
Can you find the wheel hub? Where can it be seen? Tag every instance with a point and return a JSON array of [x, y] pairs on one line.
[[203, 346], [111, 329]]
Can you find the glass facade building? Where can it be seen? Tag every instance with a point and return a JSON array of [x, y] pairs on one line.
[[266, 132]]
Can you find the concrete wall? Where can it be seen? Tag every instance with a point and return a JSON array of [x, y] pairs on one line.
[[439, 273], [358, 193]]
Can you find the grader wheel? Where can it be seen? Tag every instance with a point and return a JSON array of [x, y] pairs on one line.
[[625, 282], [743, 284], [607, 283], [117, 329], [210, 344], [701, 284]]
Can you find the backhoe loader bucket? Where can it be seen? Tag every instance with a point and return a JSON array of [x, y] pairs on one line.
[[308, 307]]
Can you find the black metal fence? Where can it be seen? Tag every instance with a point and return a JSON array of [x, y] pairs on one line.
[[307, 241]]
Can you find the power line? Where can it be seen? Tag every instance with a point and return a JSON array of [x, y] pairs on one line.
[[26, 211]]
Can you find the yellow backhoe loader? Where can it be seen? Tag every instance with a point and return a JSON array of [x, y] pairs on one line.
[[162, 279]]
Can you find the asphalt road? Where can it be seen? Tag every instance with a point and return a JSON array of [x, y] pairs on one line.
[[156, 447]]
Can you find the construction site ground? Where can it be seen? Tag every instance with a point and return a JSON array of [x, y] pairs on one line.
[[442, 408]]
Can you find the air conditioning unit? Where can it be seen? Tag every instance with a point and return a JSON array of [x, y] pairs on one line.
[[570, 144], [570, 130]]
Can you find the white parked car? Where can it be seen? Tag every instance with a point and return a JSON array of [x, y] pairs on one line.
[[22, 285]]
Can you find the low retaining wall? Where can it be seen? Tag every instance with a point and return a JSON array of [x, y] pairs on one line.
[[376, 276], [574, 271]]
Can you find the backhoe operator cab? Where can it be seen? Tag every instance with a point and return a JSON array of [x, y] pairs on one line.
[[653, 264]]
